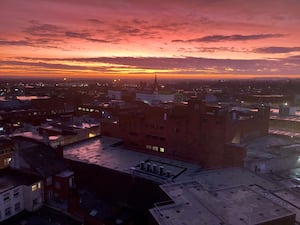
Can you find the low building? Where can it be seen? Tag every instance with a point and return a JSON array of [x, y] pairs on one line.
[[230, 196], [272, 153], [209, 135], [19, 191], [38, 158]]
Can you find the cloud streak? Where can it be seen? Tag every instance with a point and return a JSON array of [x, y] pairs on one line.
[[235, 37], [166, 65], [277, 50], [15, 43]]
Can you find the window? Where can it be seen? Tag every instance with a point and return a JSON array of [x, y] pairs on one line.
[[57, 185], [16, 193], [39, 185], [6, 197], [17, 207], [49, 180], [50, 195], [7, 161], [161, 149], [71, 182], [34, 187], [8, 211], [155, 148], [148, 147]]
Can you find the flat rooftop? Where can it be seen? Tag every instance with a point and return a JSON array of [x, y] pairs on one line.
[[286, 118], [292, 134], [290, 193], [270, 146], [106, 152], [193, 204], [12, 178], [231, 177]]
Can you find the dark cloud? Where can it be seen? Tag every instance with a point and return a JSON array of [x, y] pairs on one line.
[[95, 21], [42, 64], [236, 37], [194, 64], [139, 22], [85, 36], [15, 43], [277, 50], [128, 30], [44, 30], [77, 35], [40, 43], [52, 31]]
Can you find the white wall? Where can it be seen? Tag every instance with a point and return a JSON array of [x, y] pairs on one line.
[[15, 196], [155, 97]]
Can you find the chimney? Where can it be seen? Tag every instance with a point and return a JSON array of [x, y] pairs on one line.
[[60, 151]]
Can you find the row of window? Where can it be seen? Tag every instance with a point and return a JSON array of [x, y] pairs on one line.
[[6, 196], [36, 187], [8, 210], [4, 151], [155, 148], [88, 110], [155, 137]]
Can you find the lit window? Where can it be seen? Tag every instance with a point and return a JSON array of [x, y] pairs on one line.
[[162, 149], [148, 147], [39, 185], [91, 135], [7, 161], [34, 187], [155, 148]]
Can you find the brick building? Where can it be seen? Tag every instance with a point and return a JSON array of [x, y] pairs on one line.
[[210, 136]]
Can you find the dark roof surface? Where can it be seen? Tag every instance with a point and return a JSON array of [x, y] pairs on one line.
[[43, 159], [10, 178]]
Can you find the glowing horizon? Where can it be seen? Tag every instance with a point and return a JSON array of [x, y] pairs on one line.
[[182, 39]]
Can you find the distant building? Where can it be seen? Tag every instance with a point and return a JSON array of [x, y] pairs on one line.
[[6, 150], [155, 98], [114, 94]]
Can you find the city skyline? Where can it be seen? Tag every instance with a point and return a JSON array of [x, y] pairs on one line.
[[182, 39]]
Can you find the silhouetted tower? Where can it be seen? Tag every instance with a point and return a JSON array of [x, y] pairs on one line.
[[155, 85]]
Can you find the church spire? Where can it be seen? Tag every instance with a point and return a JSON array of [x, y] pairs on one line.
[[155, 85]]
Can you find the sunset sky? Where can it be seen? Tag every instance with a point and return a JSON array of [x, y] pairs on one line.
[[174, 38]]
